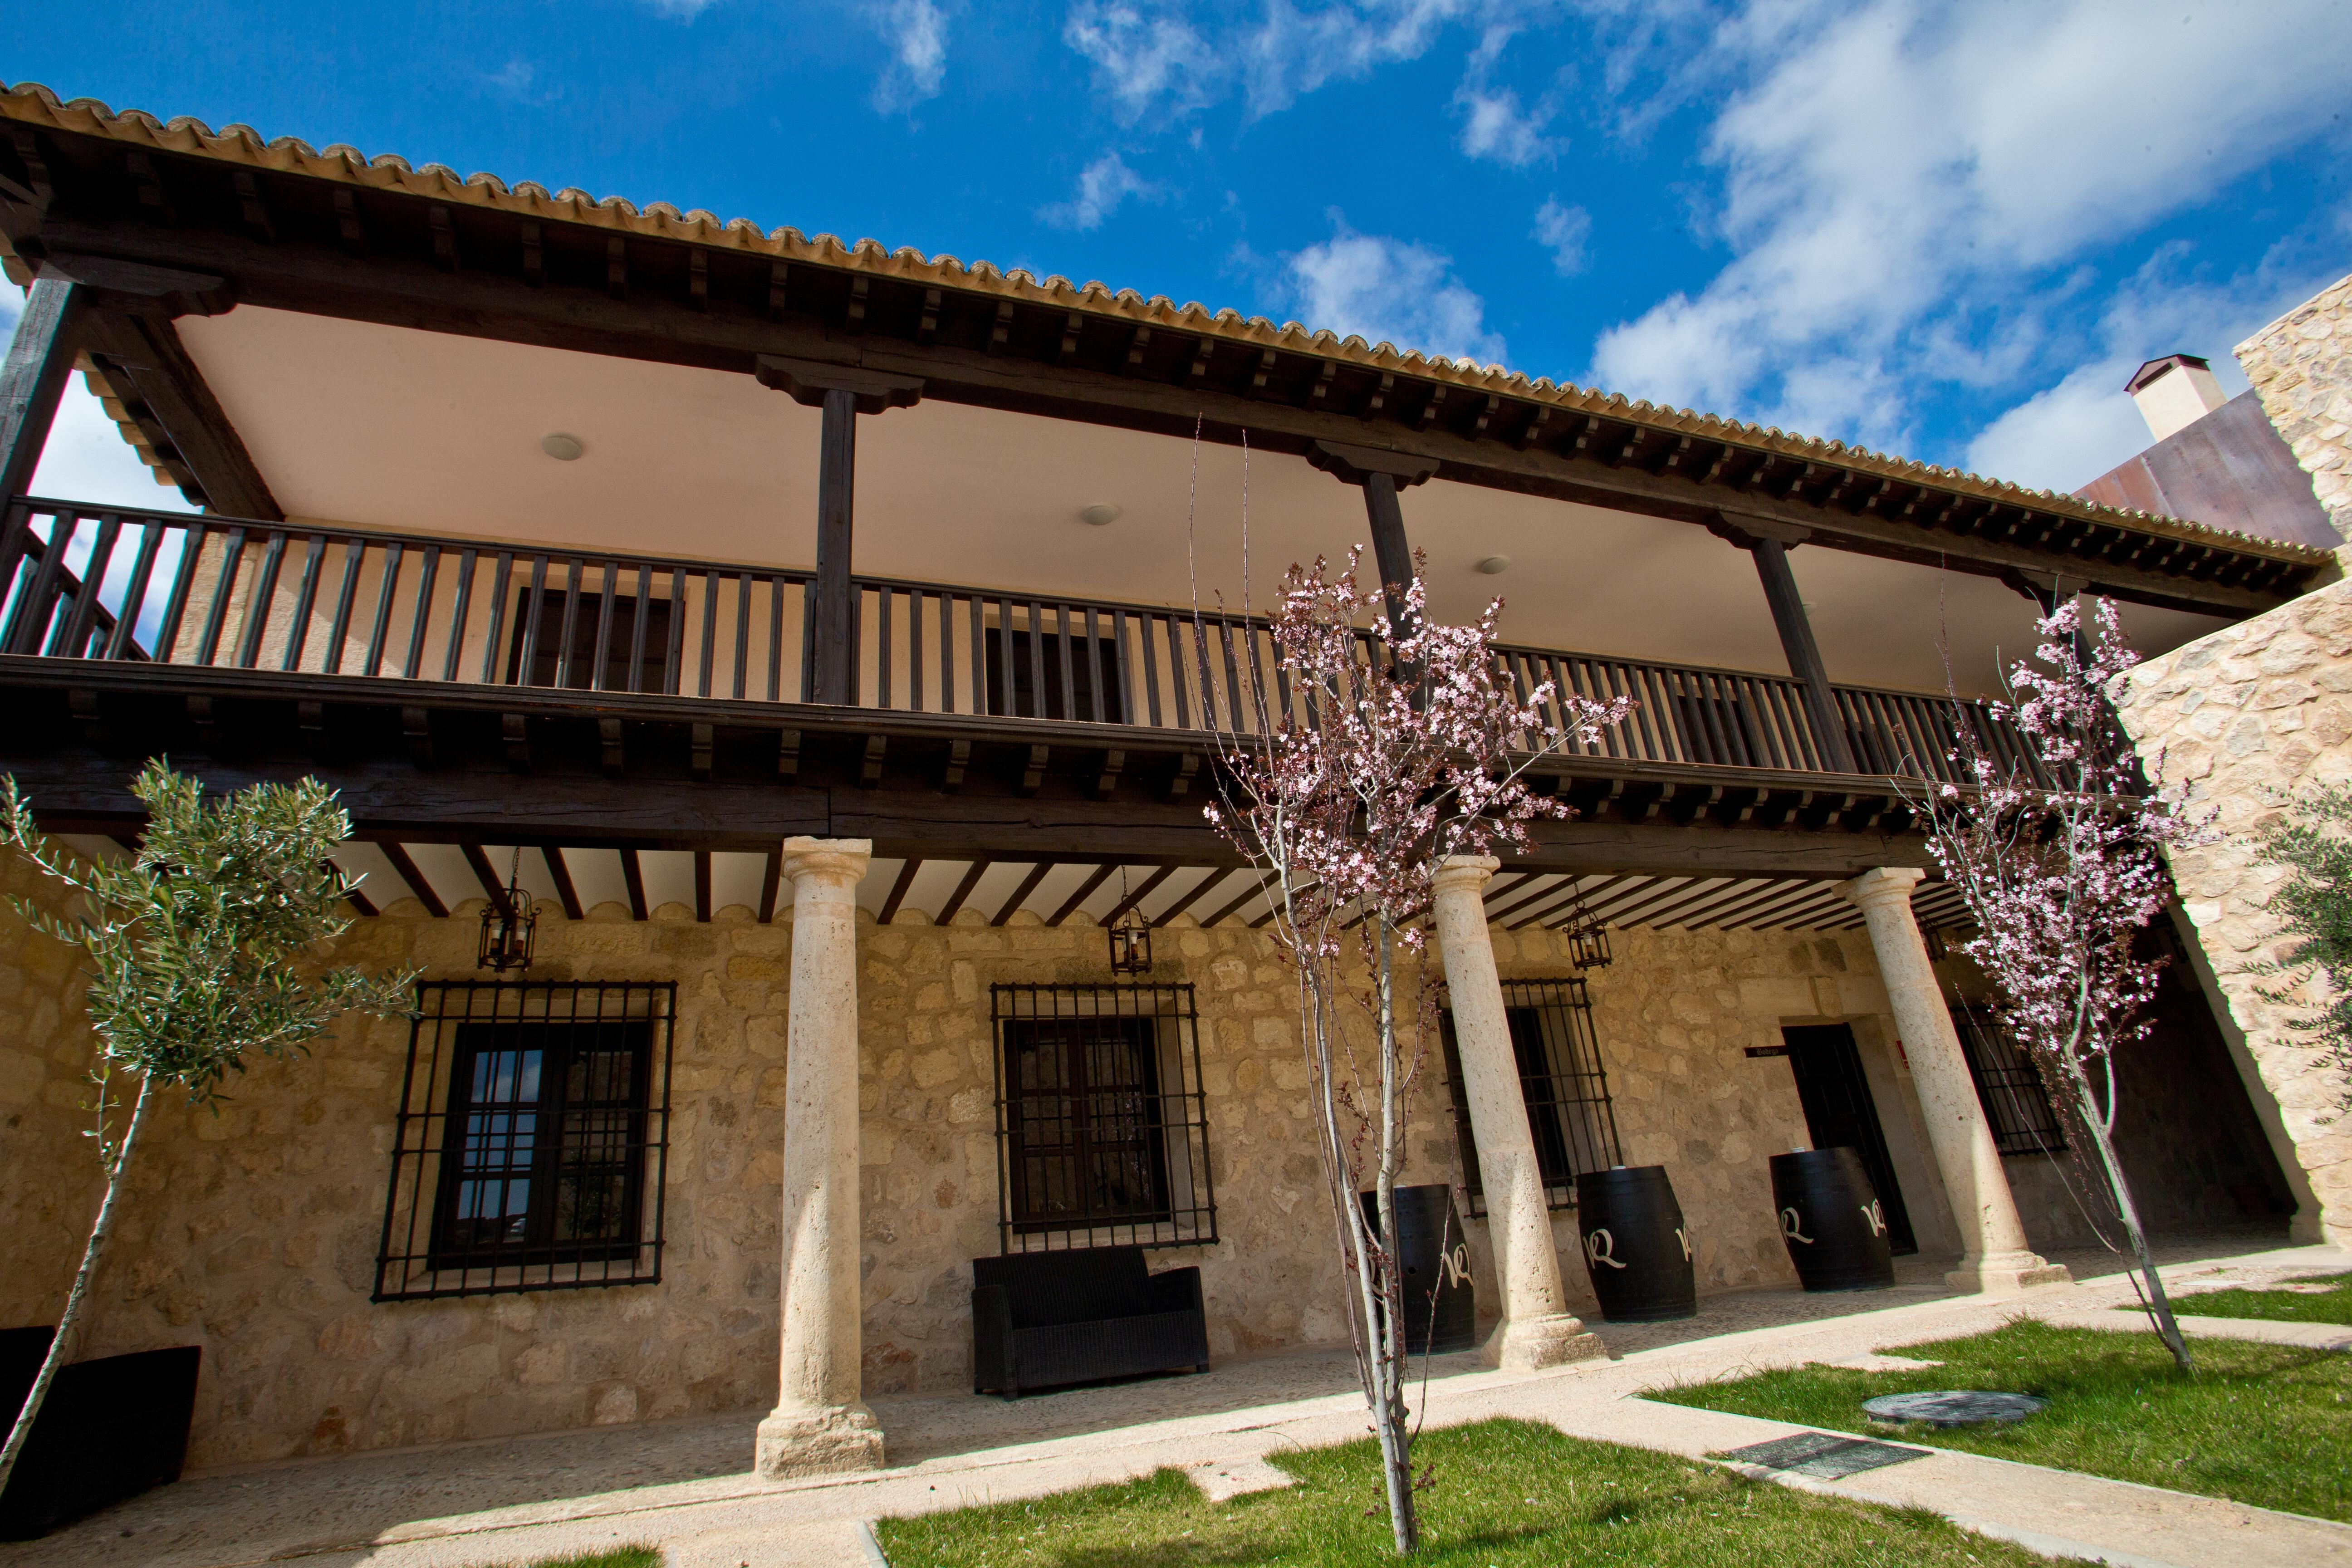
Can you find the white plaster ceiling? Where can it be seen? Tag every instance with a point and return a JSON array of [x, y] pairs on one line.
[[396, 428]]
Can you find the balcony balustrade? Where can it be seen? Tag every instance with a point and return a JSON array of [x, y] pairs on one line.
[[115, 583]]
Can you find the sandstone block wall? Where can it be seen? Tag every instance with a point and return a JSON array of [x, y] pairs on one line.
[[253, 1232], [2244, 717], [2301, 365]]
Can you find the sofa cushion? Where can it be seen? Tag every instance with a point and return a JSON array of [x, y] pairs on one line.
[[1082, 1285]]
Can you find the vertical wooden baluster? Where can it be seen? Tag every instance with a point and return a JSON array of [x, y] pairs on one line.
[[808, 640], [743, 633], [15, 542], [913, 650], [531, 614], [224, 589], [1144, 621], [1062, 640], [947, 653], [193, 541], [710, 631], [499, 580], [1237, 710], [567, 631], [339, 631], [75, 630], [914, 647], [1007, 671], [460, 612], [1126, 687], [674, 656], [1037, 662], [600, 652], [882, 645], [1093, 661], [306, 599], [1281, 671], [422, 623], [33, 608], [640, 625], [123, 641], [776, 638], [380, 628]]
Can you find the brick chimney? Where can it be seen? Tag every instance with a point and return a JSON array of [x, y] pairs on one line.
[[2174, 392]]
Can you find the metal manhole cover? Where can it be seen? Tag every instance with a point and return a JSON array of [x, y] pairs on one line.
[[1953, 1407], [1823, 1456]]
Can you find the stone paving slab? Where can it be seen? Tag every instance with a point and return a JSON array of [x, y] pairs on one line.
[[680, 1485]]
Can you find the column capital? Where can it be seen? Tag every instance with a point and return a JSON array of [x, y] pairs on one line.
[[830, 862], [1467, 872], [1883, 885]]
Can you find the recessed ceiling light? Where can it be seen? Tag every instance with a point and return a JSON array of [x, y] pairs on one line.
[[561, 448], [1492, 564], [1099, 514]]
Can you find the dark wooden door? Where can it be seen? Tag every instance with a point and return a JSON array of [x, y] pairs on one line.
[[1840, 1114]]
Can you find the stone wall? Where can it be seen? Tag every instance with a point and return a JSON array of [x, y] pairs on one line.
[[2244, 717], [253, 1232], [2301, 365]]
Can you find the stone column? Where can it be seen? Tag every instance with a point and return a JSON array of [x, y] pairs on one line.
[[1995, 1256], [821, 1423], [1538, 1329]]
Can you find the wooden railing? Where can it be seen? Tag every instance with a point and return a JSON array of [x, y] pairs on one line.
[[98, 582]]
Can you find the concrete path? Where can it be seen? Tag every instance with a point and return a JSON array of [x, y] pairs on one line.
[[680, 1485]]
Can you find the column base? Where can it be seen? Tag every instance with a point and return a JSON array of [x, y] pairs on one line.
[[1530, 1344], [2005, 1273], [817, 1442]]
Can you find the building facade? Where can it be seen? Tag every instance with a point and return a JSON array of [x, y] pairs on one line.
[[813, 631]]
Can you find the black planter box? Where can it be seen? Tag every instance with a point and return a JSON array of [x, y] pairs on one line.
[[109, 1429]]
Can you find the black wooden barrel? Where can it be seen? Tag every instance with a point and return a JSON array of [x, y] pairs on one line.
[[1830, 1221], [1429, 1244], [1636, 1245]]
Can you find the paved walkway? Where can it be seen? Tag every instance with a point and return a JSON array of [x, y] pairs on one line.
[[680, 1484]]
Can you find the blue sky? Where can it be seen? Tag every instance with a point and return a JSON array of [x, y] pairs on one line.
[[1950, 232]]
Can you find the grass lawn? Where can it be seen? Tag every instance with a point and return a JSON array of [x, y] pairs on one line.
[[2278, 1306], [619, 1557], [1509, 1494], [2267, 1424]]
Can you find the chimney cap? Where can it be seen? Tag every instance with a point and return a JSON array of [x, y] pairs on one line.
[[2157, 367]]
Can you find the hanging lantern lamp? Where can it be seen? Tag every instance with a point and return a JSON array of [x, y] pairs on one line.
[[1130, 936], [1588, 939], [509, 924]]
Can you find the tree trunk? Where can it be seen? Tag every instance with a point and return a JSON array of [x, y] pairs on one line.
[[2159, 1305], [61, 1345], [1396, 1441]]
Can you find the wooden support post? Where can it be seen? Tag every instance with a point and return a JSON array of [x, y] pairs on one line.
[[836, 475], [1769, 543], [40, 359], [1380, 474], [843, 392]]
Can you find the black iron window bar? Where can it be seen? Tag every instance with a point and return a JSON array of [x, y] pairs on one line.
[[2017, 1105], [1566, 1089], [1102, 1130], [532, 1141]]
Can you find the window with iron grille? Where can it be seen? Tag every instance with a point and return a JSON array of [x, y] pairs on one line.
[[1102, 1135], [532, 1140], [2008, 1085], [1561, 1080]]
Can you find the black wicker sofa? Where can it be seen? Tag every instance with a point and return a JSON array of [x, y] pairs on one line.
[[1040, 1319]]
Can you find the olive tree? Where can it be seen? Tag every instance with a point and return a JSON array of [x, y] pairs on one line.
[[202, 950]]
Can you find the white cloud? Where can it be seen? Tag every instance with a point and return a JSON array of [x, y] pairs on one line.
[[1102, 185], [87, 460], [681, 10], [1494, 126], [1292, 52], [2064, 436], [1388, 291], [916, 32], [1895, 173], [1564, 232], [1143, 61]]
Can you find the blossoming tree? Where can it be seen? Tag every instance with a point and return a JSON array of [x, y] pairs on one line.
[[2058, 851], [1346, 799]]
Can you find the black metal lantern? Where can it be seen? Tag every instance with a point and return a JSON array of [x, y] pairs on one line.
[[1588, 939], [1130, 935], [509, 925]]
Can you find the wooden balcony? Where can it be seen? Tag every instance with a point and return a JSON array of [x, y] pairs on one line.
[[393, 612]]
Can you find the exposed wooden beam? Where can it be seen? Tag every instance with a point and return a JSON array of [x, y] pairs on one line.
[[406, 869], [1086, 888], [1140, 893], [360, 901], [1021, 894], [1503, 884], [1215, 874], [634, 874], [33, 378], [492, 889], [898, 890], [1251, 889], [963, 890], [771, 883], [560, 871], [145, 350]]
